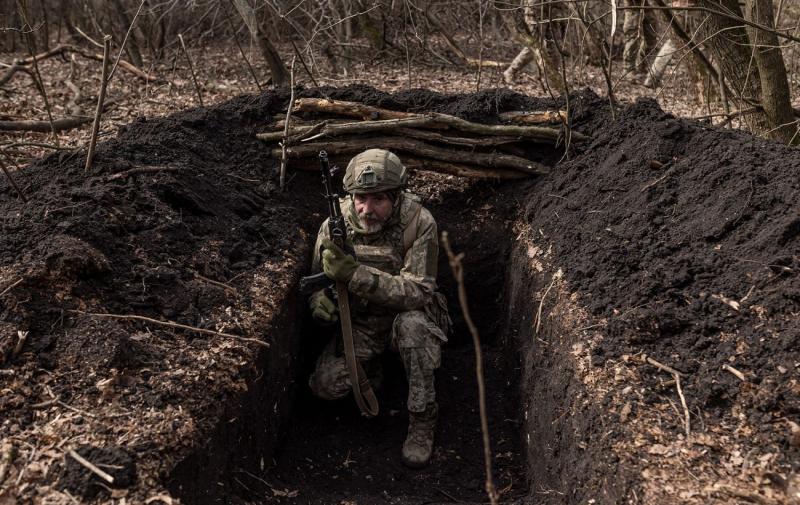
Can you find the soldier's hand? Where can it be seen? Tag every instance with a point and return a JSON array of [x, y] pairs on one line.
[[337, 265], [322, 308]]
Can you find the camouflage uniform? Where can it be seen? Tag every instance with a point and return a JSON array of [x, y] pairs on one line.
[[394, 303]]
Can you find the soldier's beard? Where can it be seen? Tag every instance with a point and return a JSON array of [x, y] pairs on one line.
[[370, 223]]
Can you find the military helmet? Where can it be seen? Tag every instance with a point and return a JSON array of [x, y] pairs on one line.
[[373, 171]]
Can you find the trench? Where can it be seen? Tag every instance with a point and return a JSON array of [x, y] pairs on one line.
[[281, 445]]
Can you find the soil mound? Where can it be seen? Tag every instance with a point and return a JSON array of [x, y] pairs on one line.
[[685, 240], [682, 240], [178, 220]]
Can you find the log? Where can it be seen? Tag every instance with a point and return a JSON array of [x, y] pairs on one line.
[[419, 149], [335, 129], [128, 67], [461, 170], [428, 165], [456, 141], [532, 133], [13, 69], [431, 120], [428, 120], [349, 109], [402, 126], [44, 126], [535, 117]]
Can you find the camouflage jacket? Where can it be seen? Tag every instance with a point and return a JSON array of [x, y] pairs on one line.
[[398, 265]]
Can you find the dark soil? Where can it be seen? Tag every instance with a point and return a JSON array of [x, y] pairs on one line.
[[658, 248], [147, 244], [695, 263], [331, 454], [115, 462]]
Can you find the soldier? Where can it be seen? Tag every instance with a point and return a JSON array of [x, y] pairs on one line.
[[392, 285]]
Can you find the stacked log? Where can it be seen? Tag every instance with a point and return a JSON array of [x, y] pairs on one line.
[[427, 141]]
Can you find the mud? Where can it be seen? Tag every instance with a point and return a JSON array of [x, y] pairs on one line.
[[679, 240]]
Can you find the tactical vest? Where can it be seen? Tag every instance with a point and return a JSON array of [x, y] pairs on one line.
[[386, 249]]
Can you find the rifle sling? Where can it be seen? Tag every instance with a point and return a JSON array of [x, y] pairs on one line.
[[362, 389]]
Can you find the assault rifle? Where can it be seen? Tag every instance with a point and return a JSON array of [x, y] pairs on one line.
[[337, 230]]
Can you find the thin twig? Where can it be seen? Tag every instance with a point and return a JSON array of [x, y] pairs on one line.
[[122, 47], [12, 286], [39, 82], [458, 274], [89, 466], [303, 62], [43, 145], [687, 421], [75, 409], [677, 375], [239, 45], [660, 366], [100, 99], [480, 45], [191, 69], [13, 183], [284, 158], [22, 338], [656, 181], [170, 324], [142, 170], [5, 461], [222, 285], [556, 276], [735, 372], [91, 40]]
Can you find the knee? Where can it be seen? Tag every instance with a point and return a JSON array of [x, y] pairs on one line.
[[414, 329], [419, 342], [329, 381], [410, 328]]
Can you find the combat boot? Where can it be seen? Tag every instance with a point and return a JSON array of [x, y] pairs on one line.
[[419, 443]]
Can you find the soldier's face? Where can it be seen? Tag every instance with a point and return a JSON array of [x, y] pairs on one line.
[[373, 210]]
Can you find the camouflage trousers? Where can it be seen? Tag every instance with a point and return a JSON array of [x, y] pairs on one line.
[[413, 335]]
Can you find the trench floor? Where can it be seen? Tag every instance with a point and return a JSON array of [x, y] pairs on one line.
[[332, 455]]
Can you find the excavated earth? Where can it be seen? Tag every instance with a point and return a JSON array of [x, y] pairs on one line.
[[658, 243]]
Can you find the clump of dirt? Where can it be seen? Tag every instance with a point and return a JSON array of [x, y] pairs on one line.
[[113, 461]]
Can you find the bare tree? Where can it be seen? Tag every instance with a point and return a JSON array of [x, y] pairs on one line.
[[751, 60], [280, 74]]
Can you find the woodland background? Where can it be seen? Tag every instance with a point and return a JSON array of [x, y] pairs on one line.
[[722, 61]]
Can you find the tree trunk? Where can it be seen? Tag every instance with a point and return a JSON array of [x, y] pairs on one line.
[[132, 45], [775, 97], [730, 45], [45, 30], [280, 74], [536, 28]]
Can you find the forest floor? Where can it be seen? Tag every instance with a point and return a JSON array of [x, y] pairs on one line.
[[692, 259], [221, 76]]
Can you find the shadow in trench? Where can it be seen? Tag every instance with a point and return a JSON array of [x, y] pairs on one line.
[[330, 454]]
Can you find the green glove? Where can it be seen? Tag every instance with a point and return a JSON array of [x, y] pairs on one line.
[[336, 264], [322, 308]]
